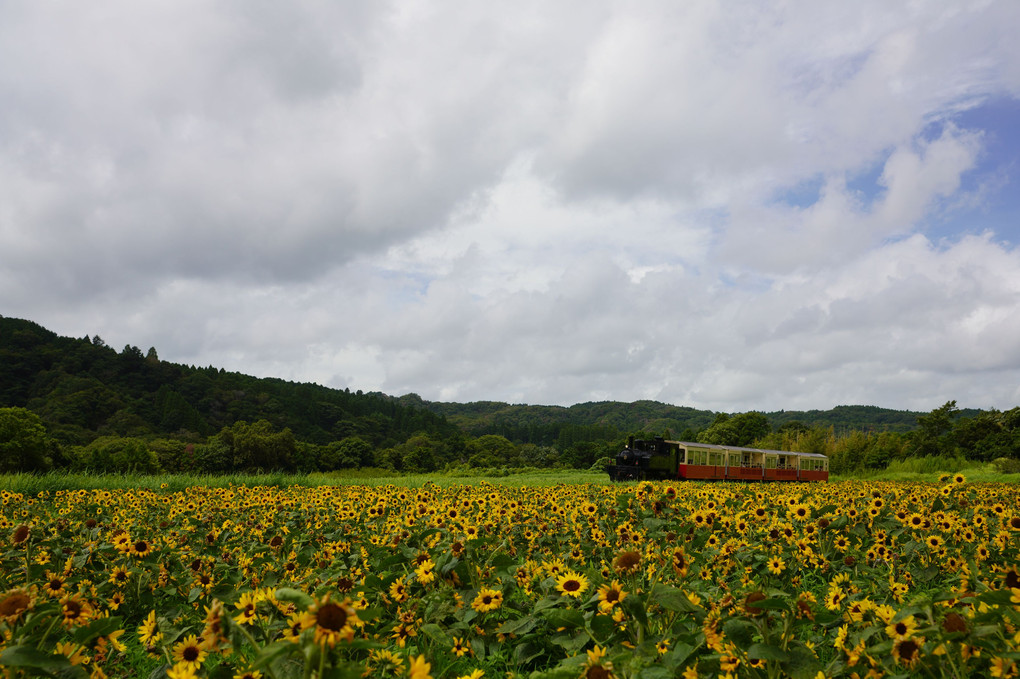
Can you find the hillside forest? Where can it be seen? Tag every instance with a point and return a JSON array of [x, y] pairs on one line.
[[79, 404]]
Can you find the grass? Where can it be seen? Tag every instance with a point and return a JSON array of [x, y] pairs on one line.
[[31, 484], [916, 470]]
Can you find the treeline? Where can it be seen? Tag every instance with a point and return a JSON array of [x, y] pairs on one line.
[[25, 445], [606, 420], [80, 404], [83, 389], [946, 432]]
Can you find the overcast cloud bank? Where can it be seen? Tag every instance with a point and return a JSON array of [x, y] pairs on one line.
[[729, 207]]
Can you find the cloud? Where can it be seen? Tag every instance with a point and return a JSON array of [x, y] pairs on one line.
[[726, 207]]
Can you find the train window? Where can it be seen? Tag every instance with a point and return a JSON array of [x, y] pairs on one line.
[[770, 461]]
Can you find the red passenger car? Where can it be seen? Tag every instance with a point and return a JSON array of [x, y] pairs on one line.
[[661, 459]]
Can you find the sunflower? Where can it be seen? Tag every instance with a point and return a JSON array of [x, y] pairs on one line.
[[75, 611], [419, 669], [596, 666], [776, 565], [610, 595], [54, 584], [181, 671], [460, 648], [249, 674], [385, 662], [247, 605], [332, 621], [907, 651], [627, 561], [902, 629], [398, 590], [189, 652], [680, 562], [119, 576], [141, 548], [424, 572], [487, 600], [572, 584], [14, 604], [20, 534], [148, 631]]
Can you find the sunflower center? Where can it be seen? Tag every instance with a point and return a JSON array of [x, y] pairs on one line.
[[190, 654], [331, 617], [14, 604], [908, 649], [571, 585]]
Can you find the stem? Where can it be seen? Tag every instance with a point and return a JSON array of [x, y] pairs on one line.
[[251, 640], [48, 630]]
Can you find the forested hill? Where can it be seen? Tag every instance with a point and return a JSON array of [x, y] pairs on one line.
[[547, 425], [82, 388], [81, 404]]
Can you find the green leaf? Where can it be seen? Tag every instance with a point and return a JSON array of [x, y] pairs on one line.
[[802, 663], [996, 596], [518, 626], [672, 599], [194, 594], [739, 632], [655, 672], [773, 604], [678, 655], [564, 617], [294, 596], [97, 628], [546, 603], [29, 656], [436, 633], [273, 651], [766, 652], [634, 606], [602, 627]]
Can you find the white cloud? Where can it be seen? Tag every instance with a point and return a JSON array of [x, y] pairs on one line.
[[534, 204]]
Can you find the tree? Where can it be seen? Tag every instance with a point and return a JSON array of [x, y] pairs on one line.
[[492, 450], [934, 434], [117, 454], [353, 451], [23, 441], [739, 430], [258, 446]]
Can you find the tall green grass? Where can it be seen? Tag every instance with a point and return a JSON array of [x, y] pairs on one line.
[[31, 484], [932, 468]]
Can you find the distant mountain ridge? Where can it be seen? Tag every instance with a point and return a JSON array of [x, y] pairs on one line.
[[540, 424], [83, 388]]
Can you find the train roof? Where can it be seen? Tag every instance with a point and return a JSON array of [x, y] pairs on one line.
[[715, 446]]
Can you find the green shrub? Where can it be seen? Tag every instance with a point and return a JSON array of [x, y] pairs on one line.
[[1006, 465]]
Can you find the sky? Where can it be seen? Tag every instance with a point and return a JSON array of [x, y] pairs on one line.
[[726, 205]]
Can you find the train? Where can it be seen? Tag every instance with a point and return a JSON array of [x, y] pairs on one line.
[[685, 460]]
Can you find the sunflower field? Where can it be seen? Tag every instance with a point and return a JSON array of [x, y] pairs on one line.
[[649, 580]]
